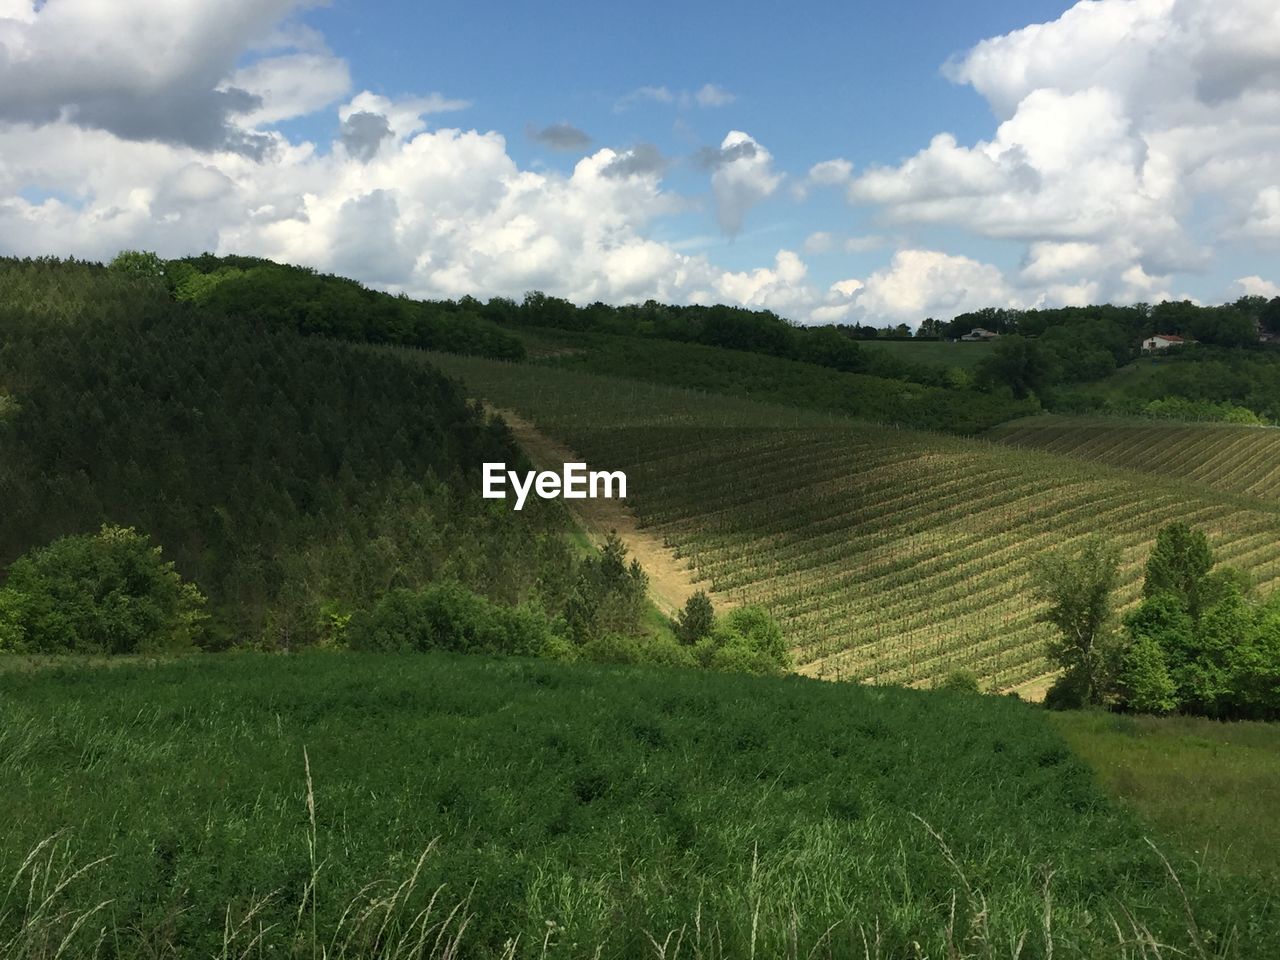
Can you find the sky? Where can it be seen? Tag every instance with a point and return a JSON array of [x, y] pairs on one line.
[[833, 162]]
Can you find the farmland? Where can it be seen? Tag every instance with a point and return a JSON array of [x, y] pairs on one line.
[[531, 809], [888, 555], [1228, 458]]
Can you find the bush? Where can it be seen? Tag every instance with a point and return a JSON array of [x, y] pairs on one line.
[[614, 648], [746, 640], [1069, 692], [447, 616], [109, 592], [961, 681]]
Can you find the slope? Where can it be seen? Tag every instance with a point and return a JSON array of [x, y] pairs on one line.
[[889, 555], [1225, 457]]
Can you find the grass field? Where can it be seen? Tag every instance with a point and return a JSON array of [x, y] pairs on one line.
[[888, 555], [1228, 458], [1215, 786], [363, 805]]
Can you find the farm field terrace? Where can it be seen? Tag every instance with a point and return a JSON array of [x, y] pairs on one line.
[[888, 555], [243, 802], [1225, 457]]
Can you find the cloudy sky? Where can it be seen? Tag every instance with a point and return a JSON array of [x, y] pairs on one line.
[[835, 162]]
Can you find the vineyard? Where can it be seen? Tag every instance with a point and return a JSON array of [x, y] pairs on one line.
[[889, 555], [1225, 457]]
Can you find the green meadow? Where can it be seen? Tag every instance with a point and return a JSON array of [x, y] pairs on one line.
[[350, 805]]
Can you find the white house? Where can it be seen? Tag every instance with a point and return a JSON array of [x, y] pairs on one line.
[[1163, 341], [980, 333]]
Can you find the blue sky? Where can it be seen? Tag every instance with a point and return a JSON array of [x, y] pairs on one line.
[[846, 162], [860, 81]]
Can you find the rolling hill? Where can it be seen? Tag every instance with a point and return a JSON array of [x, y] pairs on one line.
[[1225, 457], [889, 555]]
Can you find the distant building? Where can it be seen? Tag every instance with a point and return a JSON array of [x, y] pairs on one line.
[[1163, 341], [980, 333]]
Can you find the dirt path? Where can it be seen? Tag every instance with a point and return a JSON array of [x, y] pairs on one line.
[[671, 582]]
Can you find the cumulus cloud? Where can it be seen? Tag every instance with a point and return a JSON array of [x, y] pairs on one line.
[[288, 86], [126, 69], [1256, 286], [828, 173], [1132, 134], [642, 160], [363, 132], [559, 136], [742, 176]]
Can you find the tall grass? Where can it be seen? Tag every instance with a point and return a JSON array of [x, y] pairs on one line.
[[337, 806]]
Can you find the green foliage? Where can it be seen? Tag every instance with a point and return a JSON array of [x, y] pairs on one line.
[[138, 263], [1079, 587], [610, 597], [697, 619], [1206, 785], [777, 380], [109, 592], [297, 298], [780, 815], [960, 681], [1019, 364], [1198, 643], [1228, 459], [745, 640], [447, 617], [1144, 680], [283, 475], [1178, 566]]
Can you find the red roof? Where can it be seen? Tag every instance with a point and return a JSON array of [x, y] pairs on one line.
[[1171, 337]]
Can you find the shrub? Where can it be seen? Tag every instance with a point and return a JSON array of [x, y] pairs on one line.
[[961, 681], [746, 640], [447, 616], [109, 592], [1070, 691]]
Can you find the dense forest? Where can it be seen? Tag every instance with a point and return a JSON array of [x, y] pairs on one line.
[[284, 475]]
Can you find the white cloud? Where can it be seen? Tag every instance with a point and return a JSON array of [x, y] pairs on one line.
[[291, 86], [1132, 133], [1255, 286], [124, 68], [709, 95], [828, 173], [920, 283], [819, 242], [743, 176]]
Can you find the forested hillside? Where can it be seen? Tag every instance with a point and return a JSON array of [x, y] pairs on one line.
[[291, 478]]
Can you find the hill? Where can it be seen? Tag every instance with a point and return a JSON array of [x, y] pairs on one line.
[[888, 555], [290, 477], [1232, 459], [359, 806], [779, 380]]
